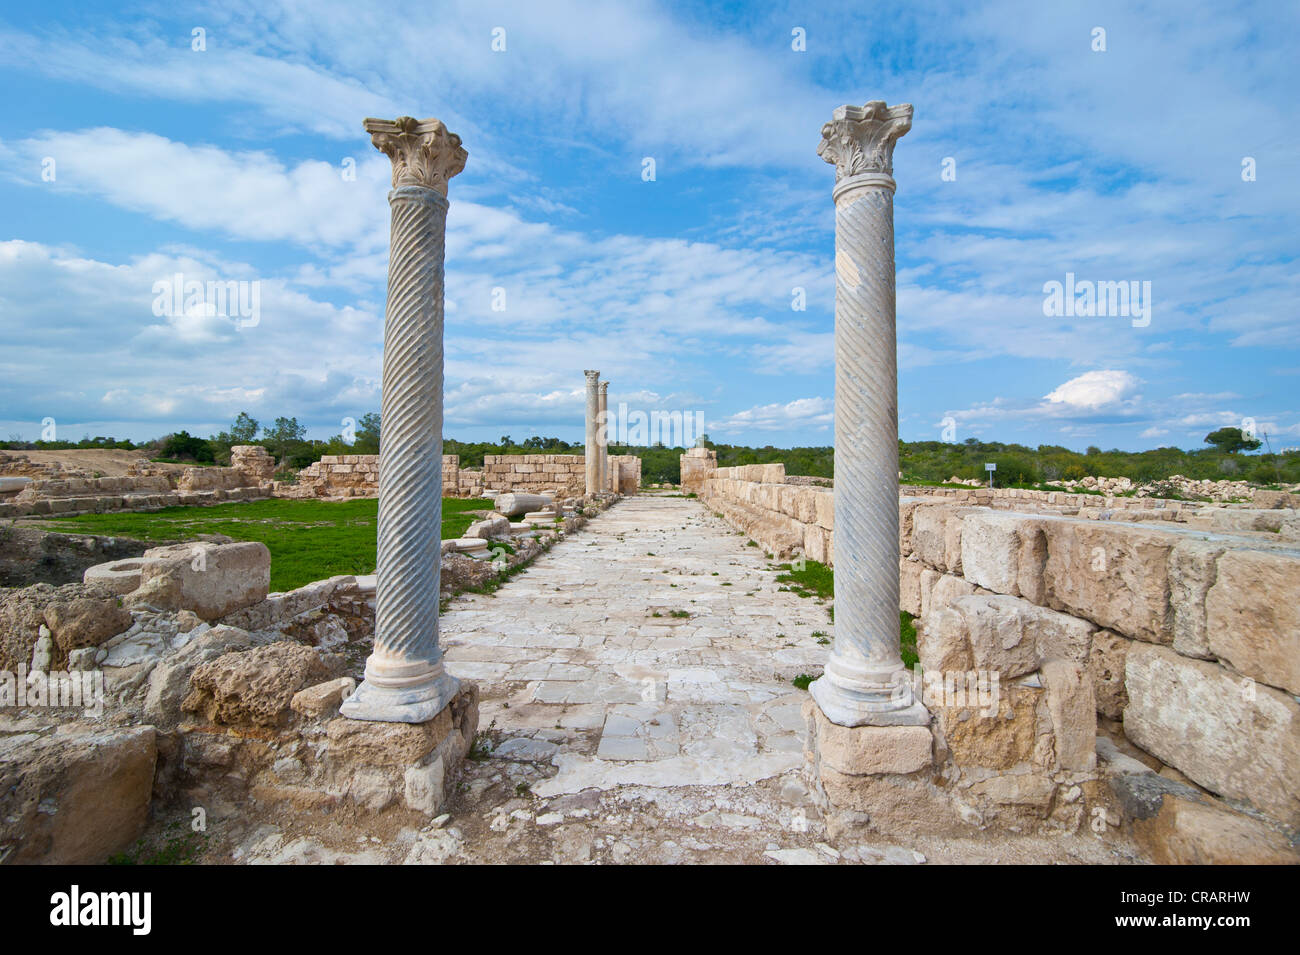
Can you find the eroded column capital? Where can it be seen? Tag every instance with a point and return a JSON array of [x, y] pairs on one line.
[[423, 152], [604, 387], [859, 140], [592, 376]]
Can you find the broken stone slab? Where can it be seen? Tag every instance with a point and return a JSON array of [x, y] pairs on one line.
[[1176, 824], [516, 504], [494, 526], [323, 699], [465, 545]]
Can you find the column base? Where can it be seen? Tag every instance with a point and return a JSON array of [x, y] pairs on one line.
[[844, 707], [417, 704]]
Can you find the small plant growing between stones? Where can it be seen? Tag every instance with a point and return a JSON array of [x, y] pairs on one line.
[[802, 680]]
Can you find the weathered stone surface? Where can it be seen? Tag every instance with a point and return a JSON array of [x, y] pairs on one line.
[[1112, 574], [868, 750], [1001, 740], [909, 597], [1013, 636], [323, 699], [943, 641], [77, 797], [254, 686], [1192, 569], [990, 548], [1177, 825], [1028, 791], [1253, 616], [1073, 711], [169, 682], [86, 621], [213, 580], [1238, 739], [22, 615], [942, 591], [1106, 670], [516, 505]]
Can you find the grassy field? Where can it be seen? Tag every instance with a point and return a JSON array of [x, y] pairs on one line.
[[308, 540]]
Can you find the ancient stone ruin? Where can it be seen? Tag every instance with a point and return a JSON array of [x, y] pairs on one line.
[[595, 675]]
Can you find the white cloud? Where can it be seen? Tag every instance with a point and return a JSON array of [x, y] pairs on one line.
[[1094, 390], [802, 414]]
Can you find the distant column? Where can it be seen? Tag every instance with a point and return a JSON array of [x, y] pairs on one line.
[[593, 452], [405, 681], [865, 670], [602, 437]]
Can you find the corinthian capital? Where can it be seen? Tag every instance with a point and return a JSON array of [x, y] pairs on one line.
[[423, 152], [860, 139]]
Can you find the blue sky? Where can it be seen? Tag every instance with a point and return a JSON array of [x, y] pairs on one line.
[[227, 164]]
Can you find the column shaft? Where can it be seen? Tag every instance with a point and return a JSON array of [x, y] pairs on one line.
[[405, 680], [864, 678], [602, 436], [592, 450]]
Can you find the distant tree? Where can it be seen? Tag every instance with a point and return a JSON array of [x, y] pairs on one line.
[[284, 437], [367, 435], [244, 429], [1231, 440]]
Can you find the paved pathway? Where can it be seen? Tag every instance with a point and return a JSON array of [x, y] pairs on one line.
[[655, 649]]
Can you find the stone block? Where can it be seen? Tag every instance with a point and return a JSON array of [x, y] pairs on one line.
[[1237, 738], [1252, 616], [213, 580], [77, 796], [1073, 711], [868, 750], [1115, 575]]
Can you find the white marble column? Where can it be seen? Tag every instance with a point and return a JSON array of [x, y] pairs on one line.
[[405, 681], [592, 450], [861, 684], [602, 435]]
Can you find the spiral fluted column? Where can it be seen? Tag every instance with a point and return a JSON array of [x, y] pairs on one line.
[[602, 435], [592, 449], [405, 681], [862, 681]]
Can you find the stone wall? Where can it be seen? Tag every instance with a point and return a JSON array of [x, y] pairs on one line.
[[130, 493], [1176, 621], [625, 473], [145, 486], [697, 465], [787, 518], [357, 475]]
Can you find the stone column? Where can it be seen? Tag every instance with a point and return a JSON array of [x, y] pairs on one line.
[[405, 681], [593, 451], [602, 436], [864, 679]]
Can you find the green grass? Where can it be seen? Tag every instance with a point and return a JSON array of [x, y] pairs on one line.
[[308, 540], [907, 638], [802, 680], [815, 580]]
